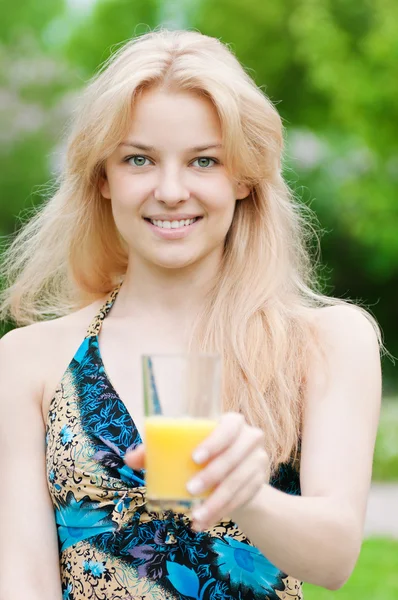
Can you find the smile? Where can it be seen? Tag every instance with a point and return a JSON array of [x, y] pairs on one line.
[[173, 230], [173, 224]]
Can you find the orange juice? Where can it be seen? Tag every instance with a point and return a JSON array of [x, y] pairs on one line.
[[169, 444]]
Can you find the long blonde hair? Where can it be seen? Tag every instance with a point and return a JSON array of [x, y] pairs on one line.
[[70, 253]]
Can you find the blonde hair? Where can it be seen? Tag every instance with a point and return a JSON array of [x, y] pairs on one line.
[[70, 253]]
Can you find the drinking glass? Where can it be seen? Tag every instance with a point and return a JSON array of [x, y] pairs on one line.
[[182, 404]]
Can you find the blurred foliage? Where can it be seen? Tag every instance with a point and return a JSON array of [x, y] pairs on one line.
[[112, 23], [33, 90], [385, 461], [27, 18], [329, 65]]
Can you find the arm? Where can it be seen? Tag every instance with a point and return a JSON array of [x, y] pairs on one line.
[[29, 563], [317, 537]]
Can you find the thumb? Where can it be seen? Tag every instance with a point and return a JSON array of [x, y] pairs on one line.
[[135, 459]]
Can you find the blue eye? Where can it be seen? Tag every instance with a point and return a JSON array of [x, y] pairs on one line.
[[137, 160], [204, 161]]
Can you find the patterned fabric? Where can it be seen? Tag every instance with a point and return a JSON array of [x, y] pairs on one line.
[[110, 546]]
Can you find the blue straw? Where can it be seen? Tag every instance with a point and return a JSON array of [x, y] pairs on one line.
[[157, 409]]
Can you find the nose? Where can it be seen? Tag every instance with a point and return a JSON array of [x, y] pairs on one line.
[[170, 188]]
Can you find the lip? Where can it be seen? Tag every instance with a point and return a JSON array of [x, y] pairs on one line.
[[173, 217], [173, 234]]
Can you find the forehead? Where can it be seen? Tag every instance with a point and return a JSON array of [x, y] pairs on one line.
[[182, 118]]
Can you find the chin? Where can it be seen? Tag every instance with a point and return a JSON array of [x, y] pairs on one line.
[[174, 262]]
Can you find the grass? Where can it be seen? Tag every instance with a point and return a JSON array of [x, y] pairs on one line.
[[375, 576], [385, 465]]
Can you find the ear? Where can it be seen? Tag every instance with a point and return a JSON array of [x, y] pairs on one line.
[[242, 191], [104, 187]]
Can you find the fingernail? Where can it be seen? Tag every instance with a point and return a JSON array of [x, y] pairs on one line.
[[195, 486], [196, 526], [199, 456], [199, 514]]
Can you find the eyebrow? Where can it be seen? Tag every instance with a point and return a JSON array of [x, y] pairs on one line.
[[146, 148]]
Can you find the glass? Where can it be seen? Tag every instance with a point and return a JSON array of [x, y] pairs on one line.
[[182, 404]]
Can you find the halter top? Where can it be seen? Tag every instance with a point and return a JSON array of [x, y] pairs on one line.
[[110, 546]]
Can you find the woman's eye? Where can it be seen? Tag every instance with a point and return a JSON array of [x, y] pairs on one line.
[[137, 160], [205, 162]]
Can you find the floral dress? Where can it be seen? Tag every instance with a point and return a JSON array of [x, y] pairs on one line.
[[110, 546]]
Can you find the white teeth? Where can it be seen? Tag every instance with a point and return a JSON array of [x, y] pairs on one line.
[[172, 224]]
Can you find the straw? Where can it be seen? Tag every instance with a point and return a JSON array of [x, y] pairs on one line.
[[153, 401]]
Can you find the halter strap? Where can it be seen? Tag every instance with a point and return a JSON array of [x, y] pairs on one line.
[[96, 324]]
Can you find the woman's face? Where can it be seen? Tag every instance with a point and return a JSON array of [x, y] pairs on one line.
[[172, 198]]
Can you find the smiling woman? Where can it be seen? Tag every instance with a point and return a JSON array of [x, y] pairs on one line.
[[172, 230]]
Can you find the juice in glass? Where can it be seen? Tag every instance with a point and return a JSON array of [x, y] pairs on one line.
[[182, 405], [170, 443]]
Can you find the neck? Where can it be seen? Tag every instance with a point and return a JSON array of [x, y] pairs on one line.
[[179, 294]]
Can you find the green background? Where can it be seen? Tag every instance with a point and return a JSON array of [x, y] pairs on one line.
[[330, 66]]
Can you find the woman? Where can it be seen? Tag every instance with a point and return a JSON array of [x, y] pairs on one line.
[[172, 229]]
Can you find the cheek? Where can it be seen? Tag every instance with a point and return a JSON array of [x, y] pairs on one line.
[[128, 192], [217, 191], [222, 205]]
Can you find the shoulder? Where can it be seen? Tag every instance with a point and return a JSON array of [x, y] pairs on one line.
[[346, 326], [41, 352], [19, 345], [347, 345], [20, 383], [38, 335]]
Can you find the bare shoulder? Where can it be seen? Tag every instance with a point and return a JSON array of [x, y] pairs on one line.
[[20, 349], [346, 326], [39, 336], [348, 346], [41, 352]]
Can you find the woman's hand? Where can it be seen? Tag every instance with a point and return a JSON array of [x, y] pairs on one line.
[[236, 467]]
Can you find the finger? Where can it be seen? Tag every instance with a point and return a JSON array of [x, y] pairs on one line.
[[221, 508], [221, 437], [218, 469], [245, 494], [135, 459], [239, 484]]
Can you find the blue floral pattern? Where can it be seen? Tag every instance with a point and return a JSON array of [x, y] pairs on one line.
[[110, 546]]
